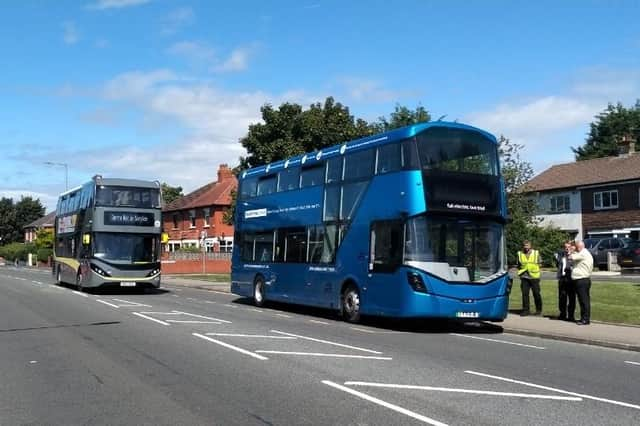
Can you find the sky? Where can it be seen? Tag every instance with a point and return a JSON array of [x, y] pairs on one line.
[[164, 89]]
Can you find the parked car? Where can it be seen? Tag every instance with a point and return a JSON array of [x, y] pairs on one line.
[[629, 257], [600, 248]]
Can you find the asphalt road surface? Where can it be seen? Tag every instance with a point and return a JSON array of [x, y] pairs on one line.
[[186, 356]]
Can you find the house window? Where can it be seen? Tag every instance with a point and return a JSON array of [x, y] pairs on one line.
[[192, 218], [175, 221], [206, 214], [605, 200], [559, 204]]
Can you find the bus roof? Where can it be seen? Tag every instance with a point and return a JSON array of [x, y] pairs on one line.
[[312, 158], [136, 183]]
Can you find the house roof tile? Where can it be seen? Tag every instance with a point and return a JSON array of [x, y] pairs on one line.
[[45, 221]]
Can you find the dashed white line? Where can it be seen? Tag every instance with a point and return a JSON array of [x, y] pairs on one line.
[[235, 348], [456, 390], [255, 310], [202, 316], [327, 342], [533, 385], [319, 322], [229, 305], [362, 329], [209, 301], [385, 404], [37, 283], [284, 315], [150, 318], [506, 342], [263, 336], [193, 322], [80, 293], [129, 303], [220, 292], [383, 358], [108, 304], [632, 363]]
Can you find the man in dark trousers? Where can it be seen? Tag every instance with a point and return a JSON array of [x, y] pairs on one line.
[[529, 271], [581, 274], [566, 286]]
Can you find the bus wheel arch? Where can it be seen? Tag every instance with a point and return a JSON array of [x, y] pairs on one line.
[[259, 290], [350, 301]]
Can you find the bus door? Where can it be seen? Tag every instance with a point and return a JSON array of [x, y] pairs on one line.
[[385, 257]]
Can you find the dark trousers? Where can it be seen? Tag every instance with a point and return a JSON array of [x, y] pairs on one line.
[[534, 285], [567, 297], [583, 287]]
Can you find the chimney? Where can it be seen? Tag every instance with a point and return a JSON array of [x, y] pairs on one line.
[[626, 146], [224, 173]]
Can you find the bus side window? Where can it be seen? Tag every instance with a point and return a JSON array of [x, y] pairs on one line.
[[267, 185], [311, 176], [386, 245], [389, 158], [359, 165]]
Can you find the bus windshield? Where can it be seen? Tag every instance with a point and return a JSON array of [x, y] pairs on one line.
[[122, 196], [455, 150], [455, 249], [126, 248]]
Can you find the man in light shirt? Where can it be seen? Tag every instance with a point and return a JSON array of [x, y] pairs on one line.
[[581, 274]]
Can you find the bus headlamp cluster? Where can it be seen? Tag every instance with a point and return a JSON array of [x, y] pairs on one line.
[[98, 270], [153, 272], [416, 282]]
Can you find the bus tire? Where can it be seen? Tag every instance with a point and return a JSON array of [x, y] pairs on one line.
[[58, 276], [258, 291], [350, 304], [79, 281]]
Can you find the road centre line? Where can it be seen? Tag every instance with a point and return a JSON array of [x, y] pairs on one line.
[[632, 363], [209, 301], [150, 318], [256, 310], [220, 292], [457, 390], [37, 282], [284, 315], [362, 329], [385, 404], [107, 303], [520, 382], [383, 358], [251, 335], [342, 345], [229, 305], [79, 293], [506, 342], [319, 322], [235, 348]]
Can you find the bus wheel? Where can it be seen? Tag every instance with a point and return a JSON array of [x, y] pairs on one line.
[[351, 304], [79, 281], [58, 276], [258, 292]]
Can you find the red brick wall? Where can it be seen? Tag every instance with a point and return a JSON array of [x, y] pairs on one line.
[[216, 228], [195, 267]]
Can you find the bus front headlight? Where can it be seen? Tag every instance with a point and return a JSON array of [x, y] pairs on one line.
[[98, 270]]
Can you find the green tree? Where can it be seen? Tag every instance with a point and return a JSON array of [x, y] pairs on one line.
[[7, 220], [170, 193], [608, 129], [27, 210], [402, 116], [44, 239]]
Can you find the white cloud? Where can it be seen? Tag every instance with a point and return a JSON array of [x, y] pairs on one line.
[[193, 50], [115, 4], [368, 90], [70, 32], [177, 19], [49, 201], [238, 60]]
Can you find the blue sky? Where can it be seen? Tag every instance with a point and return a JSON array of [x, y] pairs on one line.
[[163, 89]]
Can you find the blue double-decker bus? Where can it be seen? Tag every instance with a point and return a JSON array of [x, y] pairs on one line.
[[407, 223]]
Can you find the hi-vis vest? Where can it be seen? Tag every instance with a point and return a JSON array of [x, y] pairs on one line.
[[529, 263]]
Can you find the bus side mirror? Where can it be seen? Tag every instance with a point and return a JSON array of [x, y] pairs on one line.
[[164, 238], [86, 239]]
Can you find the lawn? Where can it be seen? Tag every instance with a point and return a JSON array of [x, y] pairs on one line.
[[610, 301], [216, 278]]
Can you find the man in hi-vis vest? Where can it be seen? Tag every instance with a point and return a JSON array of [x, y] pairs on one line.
[[529, 271]]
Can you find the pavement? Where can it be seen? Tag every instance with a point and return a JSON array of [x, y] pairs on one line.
[[599, 334]]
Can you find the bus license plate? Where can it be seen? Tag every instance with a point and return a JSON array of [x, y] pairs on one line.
[[467, 314], [127, 284]]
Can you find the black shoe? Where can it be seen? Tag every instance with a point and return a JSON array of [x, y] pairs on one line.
[[571, 319], [561, 318], [524, 314], [582, 322], [538, 313]]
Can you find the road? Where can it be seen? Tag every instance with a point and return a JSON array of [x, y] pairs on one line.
[[188, 357]]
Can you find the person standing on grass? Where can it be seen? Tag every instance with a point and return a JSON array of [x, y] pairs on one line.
[[529, 271], [581, 274], [566, 286]]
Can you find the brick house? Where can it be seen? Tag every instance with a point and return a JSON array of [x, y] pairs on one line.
[[200, 214], [45, 222], [592, 198]]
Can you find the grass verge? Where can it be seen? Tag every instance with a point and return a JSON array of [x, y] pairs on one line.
[[612, 302]]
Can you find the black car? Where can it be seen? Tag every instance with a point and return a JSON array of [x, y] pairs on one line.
[[600, 249], [629, 257]]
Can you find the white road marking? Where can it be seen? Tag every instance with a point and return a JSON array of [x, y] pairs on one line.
[[632, 363], [57, 287], [284, 315], [129, 303], [256, 310], [229, 305], [163, 313], [456, 390], [220, 292], [150, 318], [384, 358], [533, 385], [202, 316], [37, 283], [108, 304], [175, 295], [251, 335], [235, 348], [385, 404], [327, 342], [209, 301], [319, 322], [80, 293], [362, 329], [193, 322], [506, 342]]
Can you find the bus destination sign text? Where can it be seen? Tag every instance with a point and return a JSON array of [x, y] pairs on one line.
[[128, 219]]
